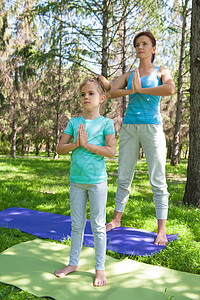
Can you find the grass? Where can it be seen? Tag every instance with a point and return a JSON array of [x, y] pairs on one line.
[[43, 184]]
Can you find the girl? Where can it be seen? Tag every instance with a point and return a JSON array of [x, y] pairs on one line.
[[142, 126], [94, 138]]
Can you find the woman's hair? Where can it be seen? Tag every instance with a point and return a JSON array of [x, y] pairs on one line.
[[102, 88], [152, 38]]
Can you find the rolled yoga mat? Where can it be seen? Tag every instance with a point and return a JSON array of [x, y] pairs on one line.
[[123, 240], [31, 265]]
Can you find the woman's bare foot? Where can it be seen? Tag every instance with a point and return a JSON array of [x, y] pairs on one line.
[[113, 224], [66, 270], [116, 222], [161, 237], [100, 278]]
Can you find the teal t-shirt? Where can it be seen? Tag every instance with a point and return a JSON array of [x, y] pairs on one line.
[[87, 167], [142, 108]]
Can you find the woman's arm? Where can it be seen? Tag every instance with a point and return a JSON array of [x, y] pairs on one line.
[[117, 88], [109, 150], [64, 146], [167, 89]]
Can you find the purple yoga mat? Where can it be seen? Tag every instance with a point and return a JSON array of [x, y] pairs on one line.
[[124, 240]]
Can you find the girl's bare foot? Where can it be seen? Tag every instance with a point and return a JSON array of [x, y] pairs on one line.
[[66, 270], [100, 279]]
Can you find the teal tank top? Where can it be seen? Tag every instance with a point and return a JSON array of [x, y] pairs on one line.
[[144, 109]]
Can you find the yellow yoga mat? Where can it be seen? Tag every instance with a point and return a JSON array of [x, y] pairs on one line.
[[30, 266]]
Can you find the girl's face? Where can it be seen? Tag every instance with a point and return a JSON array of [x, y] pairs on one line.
[[144, 47], [91, 98]]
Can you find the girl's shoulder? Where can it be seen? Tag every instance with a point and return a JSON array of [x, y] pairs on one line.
[[76, 120]]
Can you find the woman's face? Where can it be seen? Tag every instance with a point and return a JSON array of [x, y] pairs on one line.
[[144, 47]]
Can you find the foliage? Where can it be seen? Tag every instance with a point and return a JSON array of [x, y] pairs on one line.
[[48, 47]]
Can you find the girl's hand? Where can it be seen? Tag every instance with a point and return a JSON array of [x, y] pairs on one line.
[[77, 142], [83, 135], [136, 81]]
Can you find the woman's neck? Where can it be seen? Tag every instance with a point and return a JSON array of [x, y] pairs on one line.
[[145, 67]]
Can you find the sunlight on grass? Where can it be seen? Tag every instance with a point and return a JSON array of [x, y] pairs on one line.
[[43, 184]]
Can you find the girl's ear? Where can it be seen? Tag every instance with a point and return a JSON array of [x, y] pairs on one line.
[[103, 98]]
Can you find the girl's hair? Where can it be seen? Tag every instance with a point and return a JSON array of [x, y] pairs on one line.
[[152, 38], [97, 80]]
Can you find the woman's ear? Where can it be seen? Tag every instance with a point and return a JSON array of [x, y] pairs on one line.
[[154, 49]]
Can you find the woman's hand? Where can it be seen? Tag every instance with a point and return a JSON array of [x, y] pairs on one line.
[[136, 83]]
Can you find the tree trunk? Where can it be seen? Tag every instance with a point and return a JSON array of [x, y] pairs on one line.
[[169, 149], [124, 58], [105, 39], [23, 142], [49, 146], [192, 189], [14, 137], [59, 92], [179, 104], [29, 146]]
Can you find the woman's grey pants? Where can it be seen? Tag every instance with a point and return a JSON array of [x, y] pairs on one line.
[[151, 138]]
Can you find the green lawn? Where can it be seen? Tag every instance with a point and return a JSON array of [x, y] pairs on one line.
[[43, 184]]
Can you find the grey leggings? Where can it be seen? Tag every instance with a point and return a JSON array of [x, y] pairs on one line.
[[97, 196], [151, 138]]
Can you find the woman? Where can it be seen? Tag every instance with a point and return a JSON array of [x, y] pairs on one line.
[[142, 126]]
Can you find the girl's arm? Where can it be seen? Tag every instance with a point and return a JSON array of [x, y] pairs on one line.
[[64, 146], [167, 89], [109, 150]]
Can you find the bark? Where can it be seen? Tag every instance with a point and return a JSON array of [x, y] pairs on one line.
[[176, 140], [105, 39], [59, 92], [14, 137], [124, 60], [23, 142], [192, 190], [49, 146]]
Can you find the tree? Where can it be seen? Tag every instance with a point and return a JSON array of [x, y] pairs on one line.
[[192, 189], [176, 140]]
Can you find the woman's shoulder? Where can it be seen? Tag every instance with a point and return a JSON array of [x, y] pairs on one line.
[[163, 73], [162, 70]]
